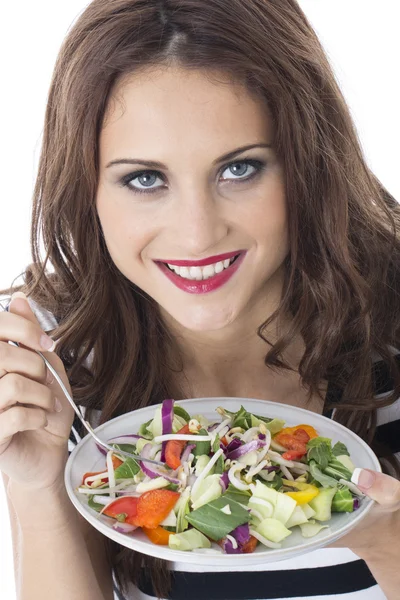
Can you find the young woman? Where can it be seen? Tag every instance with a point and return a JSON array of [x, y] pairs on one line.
[[180, 135]]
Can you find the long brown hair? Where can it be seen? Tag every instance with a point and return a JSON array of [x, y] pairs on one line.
[[342, 275]]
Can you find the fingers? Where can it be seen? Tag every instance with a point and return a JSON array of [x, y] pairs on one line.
[[23, 362], [20, 418], [385, 490], [17, 389], [18, 329]]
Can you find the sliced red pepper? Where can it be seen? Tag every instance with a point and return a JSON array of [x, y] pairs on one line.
[[127, 505], [301, 435], [250, 545], [290, 442], [174, 449], [159, 535], [104, 479], [153, 507], [293, 454]]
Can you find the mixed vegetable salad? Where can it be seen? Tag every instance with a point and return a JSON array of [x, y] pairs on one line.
[[239, 481]]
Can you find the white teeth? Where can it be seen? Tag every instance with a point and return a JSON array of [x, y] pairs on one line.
[[208, 271], [201, 273], [219, 267], [196, 273]]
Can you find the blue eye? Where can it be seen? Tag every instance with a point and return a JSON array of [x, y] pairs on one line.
[[143, 182], [242, 170]]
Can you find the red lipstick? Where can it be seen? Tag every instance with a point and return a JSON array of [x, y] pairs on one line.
[[202, 263], [204, 286]]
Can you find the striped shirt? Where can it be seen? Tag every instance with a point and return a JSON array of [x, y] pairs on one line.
[[323, 574]]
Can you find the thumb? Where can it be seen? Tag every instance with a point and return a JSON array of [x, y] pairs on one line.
[[385, 490], [20, 305]]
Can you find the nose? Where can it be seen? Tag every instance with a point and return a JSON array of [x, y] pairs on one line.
[[200, 224]]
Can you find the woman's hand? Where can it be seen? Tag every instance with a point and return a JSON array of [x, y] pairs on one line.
[[378, 535], [34, 428]]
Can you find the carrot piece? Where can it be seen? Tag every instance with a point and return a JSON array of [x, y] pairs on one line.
[[174, 449], [154, 506], [224, 441], [116, 461], [250, 545], [159, 535]]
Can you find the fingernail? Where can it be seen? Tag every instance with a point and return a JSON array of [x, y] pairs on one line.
[[57, 405], [363, 478], [18, 295], [47, 343], [49, 377]]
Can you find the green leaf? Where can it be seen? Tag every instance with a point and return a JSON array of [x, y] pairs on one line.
[[219, 466], [240, 496], [216, 442], [202, 447], [319, 476], [130, 448], [94, 504], [274, 425], [321, 454], [172, 486], [343, 501], [339, 449], [317, 441], [242, 419], [275, 484], [181, 412], [127, 470], [215, 524], [337, 469], [144, 432]]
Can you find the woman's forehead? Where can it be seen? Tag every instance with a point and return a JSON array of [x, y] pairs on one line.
[[173, 105]]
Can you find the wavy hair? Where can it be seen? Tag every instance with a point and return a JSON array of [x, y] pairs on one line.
[[342, 272]]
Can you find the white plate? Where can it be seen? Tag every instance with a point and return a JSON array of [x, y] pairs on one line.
[[86, 457]]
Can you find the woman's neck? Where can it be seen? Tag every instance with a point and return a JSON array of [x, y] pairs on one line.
[[230, 362]]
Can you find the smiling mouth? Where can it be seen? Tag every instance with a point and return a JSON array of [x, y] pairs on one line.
[[197, 273]]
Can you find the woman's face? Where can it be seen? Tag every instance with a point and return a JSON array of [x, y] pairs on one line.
[[189, 183]]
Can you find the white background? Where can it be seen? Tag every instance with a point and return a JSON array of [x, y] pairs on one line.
[[362, 42]]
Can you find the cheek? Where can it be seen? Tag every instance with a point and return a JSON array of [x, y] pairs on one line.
[[126, 234], [267, 220]]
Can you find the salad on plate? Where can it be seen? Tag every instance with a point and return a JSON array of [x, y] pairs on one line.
[[229, 484]]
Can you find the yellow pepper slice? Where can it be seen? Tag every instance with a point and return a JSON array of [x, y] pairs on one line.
[[307, 428], [306, 492]]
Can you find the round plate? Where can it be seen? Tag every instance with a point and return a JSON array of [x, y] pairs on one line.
[[86, 457]]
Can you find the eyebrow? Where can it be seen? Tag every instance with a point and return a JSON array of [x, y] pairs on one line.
[[158, 165]]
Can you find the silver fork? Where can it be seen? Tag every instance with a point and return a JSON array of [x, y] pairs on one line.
[[85, 423]]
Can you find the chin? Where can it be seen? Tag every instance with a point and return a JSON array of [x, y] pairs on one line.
[[204, 319]]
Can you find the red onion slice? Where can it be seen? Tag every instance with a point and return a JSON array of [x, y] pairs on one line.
[[224, 481], [167, 417], [127, 438], [249, 447], [186, 452], [123, 527]]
